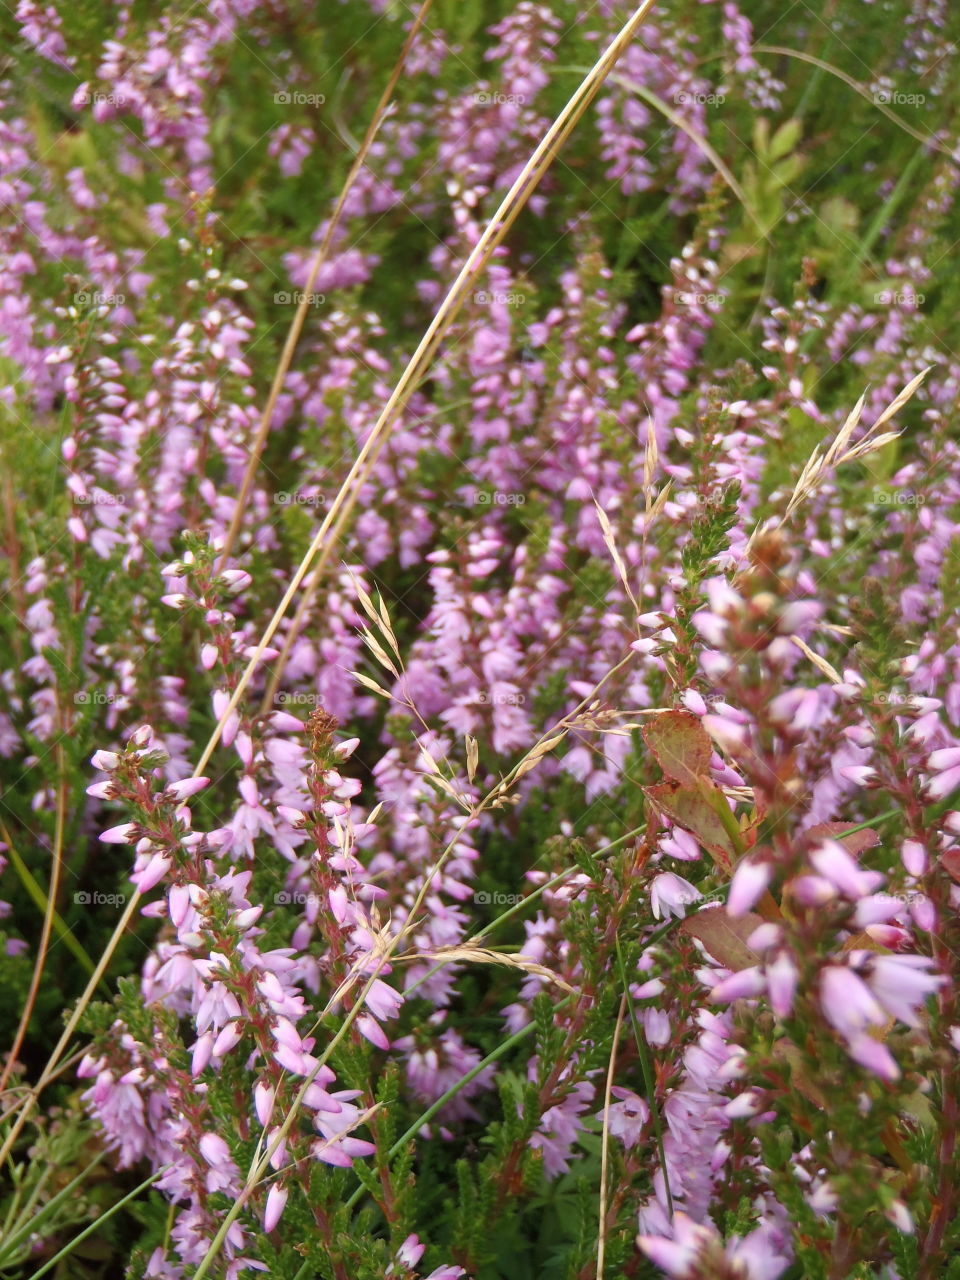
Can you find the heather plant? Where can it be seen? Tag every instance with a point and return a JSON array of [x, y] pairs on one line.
[[480, 695]]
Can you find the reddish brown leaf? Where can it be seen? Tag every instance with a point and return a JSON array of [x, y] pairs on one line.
[[724, 936], [681, 745], [864, 942], [691, 808], [854, 843], [950, 861]]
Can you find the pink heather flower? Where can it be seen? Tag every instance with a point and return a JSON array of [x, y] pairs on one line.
[[847, 1001], [234, 580], [797, 709], [850, 1007], [229, 1037], [766, 936], [799, 616], [276, 1202], [152, 873], [559, 1127], [119, 1108], [656, 1025], [382, 1001], [744, 1106], [433, 1067], [926, 729], [923, 913], [678, 1256], [833, 862], [722, 597], [680, 844], [873, 1056], [186, 788], [693, 702], [222, 1172], [750, 881], [411, 1251], [697, 1249], [889, 935], [812, 891], [221, 700], [339, 1147], [284, 722], [263, 1100], [901, 983], [945, 783], [877, 909], [126, 833], [915, 858], [742, 984], [627, 1116], [860, 774], [371, 1030], [202, 1053], [901, 1217], [727, 734], [669, 894], [711, 627], [822, 1199], [179, 905], [782, 979]]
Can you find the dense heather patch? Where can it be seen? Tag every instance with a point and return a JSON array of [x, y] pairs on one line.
[[571, 890]]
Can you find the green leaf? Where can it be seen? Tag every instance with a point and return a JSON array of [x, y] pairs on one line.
[[785, 139]]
